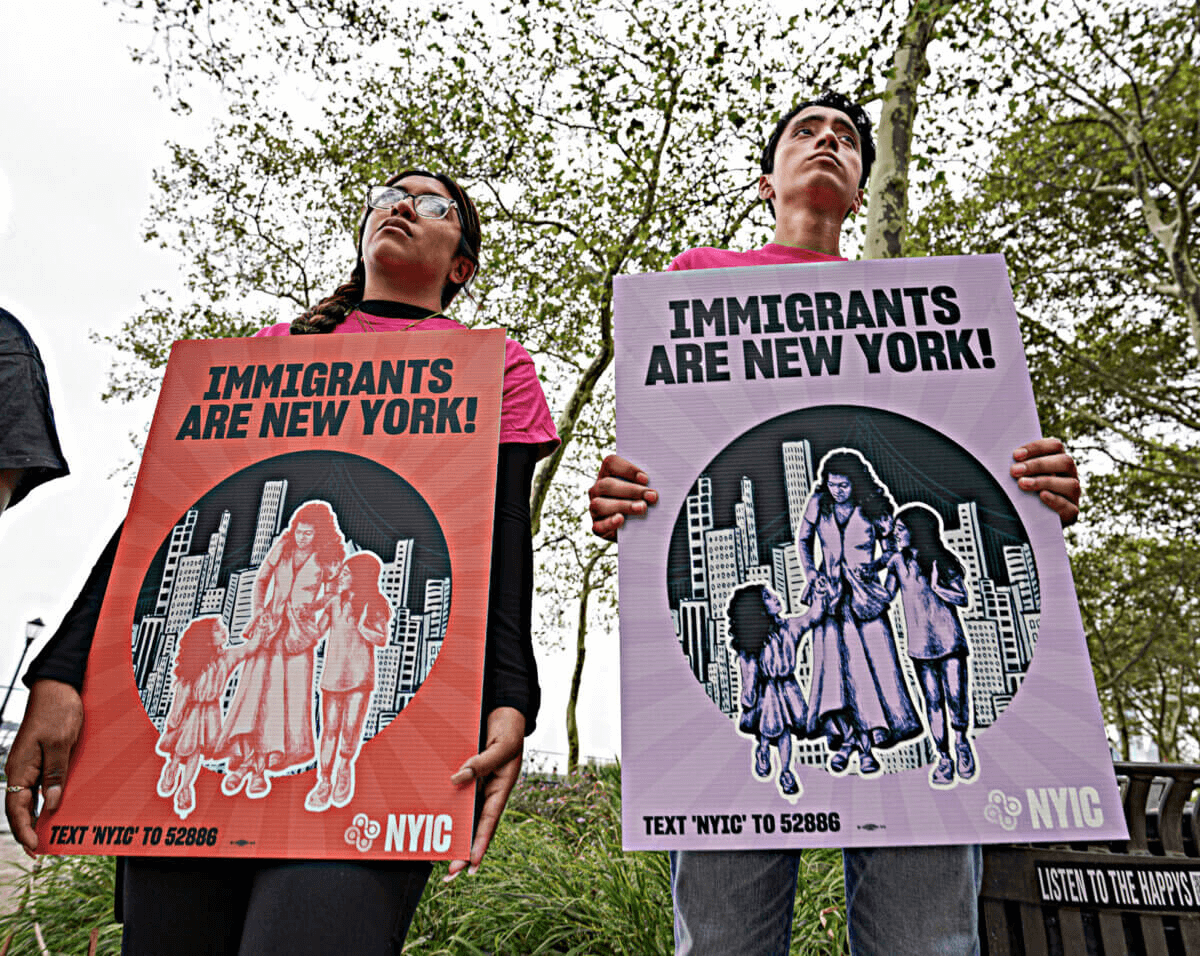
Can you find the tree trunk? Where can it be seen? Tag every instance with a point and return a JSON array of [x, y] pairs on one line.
[[1172, 237], [585, 590], [887, 188]]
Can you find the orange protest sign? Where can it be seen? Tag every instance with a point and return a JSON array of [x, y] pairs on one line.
[[289, 658]]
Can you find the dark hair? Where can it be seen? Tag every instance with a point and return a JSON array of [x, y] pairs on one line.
[[858, 116], [750, 624], [331, 311], [364, 568], [195, 651], [866, 492], [328, 543], [925, 542]]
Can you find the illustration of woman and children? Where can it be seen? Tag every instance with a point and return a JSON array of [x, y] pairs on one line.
[[357, 616], [203, 666], [929, 579], [773, 706], [306, 589], [858, 698]]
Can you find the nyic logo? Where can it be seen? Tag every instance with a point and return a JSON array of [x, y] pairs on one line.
[[406, 832], [424, 831], [1003, 810], [362, 832], [1050, 808], [1063, 808]]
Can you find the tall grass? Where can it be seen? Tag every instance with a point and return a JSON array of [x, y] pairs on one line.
[[63, 900], [554, 881]]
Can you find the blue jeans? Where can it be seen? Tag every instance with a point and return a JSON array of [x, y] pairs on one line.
[[900, 901]]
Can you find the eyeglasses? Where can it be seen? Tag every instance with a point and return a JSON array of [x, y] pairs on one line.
[[427, 205]]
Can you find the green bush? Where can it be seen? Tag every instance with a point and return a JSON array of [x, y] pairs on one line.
[[554, 881]]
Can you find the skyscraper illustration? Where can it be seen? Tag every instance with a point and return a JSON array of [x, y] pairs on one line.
[[798, 480], [216, 551], [699, 520], [1000, 620], [192, 584], [747, 530], [270, 518], [397, 575], [181, 543]]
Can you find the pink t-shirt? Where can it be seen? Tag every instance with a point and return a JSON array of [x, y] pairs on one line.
[[772, 254], [524, 415]]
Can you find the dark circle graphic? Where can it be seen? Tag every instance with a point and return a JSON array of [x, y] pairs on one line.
[[368, 525], [738, 525]]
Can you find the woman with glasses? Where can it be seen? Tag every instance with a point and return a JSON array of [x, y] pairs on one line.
[[418, 246]]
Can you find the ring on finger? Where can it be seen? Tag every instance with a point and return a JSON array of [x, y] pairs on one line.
[[11, 789]]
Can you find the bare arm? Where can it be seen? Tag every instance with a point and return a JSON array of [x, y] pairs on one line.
[[262, 579], [892, 581], [749, 668], [236, 653], [804, 548]]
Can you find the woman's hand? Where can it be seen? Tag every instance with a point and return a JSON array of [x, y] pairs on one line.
[[496, 769], [1044, 467], [620, 490], [40, 754]]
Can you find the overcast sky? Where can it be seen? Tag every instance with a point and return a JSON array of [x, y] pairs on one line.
[[80, 133]]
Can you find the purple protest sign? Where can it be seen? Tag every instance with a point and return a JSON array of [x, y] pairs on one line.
[[843, 624]]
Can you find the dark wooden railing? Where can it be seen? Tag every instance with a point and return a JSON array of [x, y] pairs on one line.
[[1139, 897]]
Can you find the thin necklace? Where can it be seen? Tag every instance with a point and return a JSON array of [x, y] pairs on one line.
[[368, 326]]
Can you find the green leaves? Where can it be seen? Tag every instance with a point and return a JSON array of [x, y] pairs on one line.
[[608, 137], [1088, 189]]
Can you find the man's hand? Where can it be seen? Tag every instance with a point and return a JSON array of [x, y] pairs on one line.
[[496, 769], [621, 489], [39, 756], [1044, 467]]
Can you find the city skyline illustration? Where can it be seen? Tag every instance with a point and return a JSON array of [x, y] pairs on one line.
[[197, 574], [725, 537]]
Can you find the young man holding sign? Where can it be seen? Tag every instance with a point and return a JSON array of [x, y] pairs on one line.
[[900, 900]]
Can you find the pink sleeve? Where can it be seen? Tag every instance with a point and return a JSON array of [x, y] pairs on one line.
[[525, 416], [283, 328]]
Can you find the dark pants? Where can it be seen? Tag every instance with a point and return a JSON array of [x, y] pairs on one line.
[[202, 907]]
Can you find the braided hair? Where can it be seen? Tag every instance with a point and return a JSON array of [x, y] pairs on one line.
[[331, 311]]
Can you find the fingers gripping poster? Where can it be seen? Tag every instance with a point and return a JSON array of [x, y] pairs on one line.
[[843, 624], [289, 658]]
